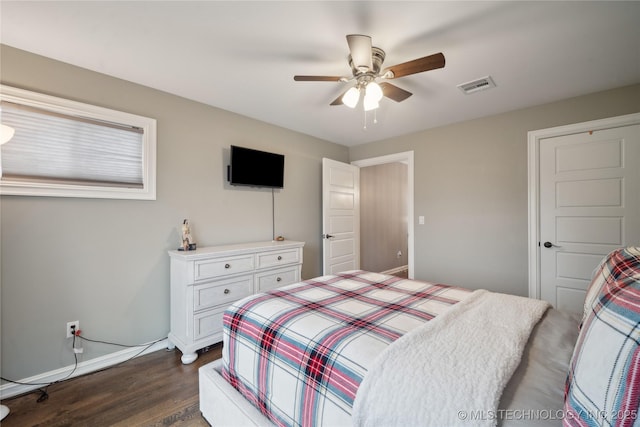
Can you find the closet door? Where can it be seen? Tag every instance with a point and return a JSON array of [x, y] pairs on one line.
[[589, 206]]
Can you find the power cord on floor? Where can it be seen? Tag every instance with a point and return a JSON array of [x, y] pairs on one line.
[[44, 395], [82, 337], [43, 391]]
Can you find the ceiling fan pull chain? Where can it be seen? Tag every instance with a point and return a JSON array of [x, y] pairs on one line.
[[375, 116], [365, 120]]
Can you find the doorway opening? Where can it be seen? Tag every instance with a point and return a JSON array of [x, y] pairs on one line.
[[398, 171]]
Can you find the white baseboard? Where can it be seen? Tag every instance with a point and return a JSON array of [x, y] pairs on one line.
[[8, 390], [396, 270]]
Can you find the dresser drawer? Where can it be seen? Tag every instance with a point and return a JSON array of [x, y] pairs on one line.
[[277, 278], [217, 267], [221, 292], [275, 258], [207, 323]]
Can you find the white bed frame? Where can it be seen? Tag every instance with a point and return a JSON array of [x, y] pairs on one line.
[[221, 404]]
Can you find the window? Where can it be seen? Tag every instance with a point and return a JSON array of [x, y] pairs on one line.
[[64, 148]]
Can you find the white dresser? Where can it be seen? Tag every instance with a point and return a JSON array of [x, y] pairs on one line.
[[206, 281]]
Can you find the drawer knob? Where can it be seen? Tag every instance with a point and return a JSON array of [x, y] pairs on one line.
[[226, 291], [227, 266], [279, 258], [279, 279]]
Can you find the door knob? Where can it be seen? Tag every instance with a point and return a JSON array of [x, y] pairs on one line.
[[550, 245], [327, 236]]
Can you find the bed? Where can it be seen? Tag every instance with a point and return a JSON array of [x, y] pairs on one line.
[[367, 349]]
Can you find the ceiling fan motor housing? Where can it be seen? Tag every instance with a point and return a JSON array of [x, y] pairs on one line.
[[377, 58]]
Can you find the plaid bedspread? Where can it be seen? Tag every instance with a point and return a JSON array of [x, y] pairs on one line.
[[300, 352]]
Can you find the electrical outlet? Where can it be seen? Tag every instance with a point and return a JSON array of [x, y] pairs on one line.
[[72, 326]]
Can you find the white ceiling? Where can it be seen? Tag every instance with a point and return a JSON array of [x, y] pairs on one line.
[[242, 56]]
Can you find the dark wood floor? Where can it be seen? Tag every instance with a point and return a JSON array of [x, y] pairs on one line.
[[151, 390]]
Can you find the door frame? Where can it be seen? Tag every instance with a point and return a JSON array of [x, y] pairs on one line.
[[533, 149], [407, 158]]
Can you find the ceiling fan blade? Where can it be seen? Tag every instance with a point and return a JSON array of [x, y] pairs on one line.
[[394, 92], [317, 78], [338, 100], [419, 65], [360, 48]]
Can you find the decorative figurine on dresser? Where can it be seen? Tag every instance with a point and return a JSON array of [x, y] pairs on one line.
[[205, 281], [187, 241]]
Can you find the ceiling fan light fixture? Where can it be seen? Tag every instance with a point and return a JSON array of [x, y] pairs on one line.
[[373, 91], [370, 103], [351, 97], [372, 96]]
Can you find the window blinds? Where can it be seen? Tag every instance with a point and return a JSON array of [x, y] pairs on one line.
[[50, 146]]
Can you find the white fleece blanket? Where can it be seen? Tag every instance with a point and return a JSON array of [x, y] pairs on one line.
[[451, 371]]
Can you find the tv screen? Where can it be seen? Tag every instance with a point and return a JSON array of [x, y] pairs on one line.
[[256, 168]]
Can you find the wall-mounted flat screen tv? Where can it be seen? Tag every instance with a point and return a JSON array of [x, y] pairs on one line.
[[256, 168]]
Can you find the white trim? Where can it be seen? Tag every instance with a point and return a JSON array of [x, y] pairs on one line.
[[534, 139], [74, 108], [396, 270], [8, 390], [407, 158]]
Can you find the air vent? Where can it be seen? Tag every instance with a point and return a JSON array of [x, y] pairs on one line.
[[477, 85]]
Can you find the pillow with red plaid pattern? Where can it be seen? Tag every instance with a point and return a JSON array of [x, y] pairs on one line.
[[603, 384]]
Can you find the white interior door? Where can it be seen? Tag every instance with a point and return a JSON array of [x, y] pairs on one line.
[[340, 216], [589, 206]]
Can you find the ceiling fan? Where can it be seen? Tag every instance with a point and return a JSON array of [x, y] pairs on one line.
[[366, 61]]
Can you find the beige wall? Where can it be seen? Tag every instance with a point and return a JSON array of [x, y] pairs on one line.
[[471, 187], [383, 216], [104, 262]]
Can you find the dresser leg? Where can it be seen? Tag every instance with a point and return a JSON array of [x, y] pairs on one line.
[[189, 358]]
